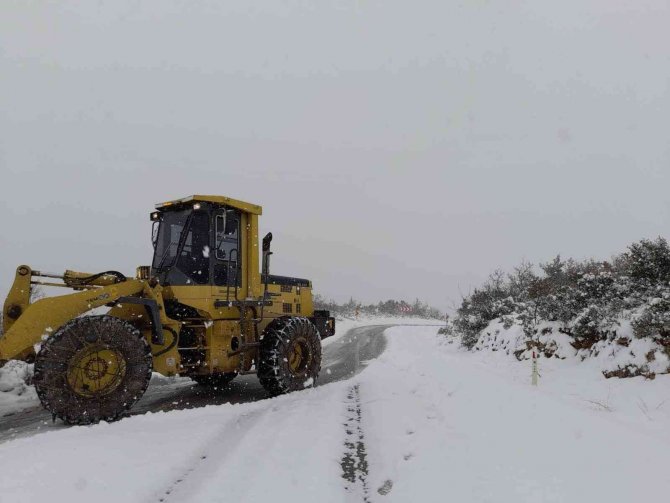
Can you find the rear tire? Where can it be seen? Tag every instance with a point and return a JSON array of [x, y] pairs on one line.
[[92, 369], [290, 356]]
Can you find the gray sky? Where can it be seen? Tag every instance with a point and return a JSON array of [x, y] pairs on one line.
[[399, 149]]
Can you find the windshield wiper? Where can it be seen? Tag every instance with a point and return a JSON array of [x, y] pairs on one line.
[[180, 246], [163, 257]]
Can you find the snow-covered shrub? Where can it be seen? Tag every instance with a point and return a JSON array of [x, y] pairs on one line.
[[590, 326], [591, 307], [521, 281], [488, 303], [648, 262], [555, 294], [654, 320], [447, 329]]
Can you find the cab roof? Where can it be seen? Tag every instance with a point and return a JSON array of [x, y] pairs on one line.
[[234, 203]]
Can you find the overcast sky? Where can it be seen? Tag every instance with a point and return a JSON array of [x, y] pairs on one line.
[[399, 148]]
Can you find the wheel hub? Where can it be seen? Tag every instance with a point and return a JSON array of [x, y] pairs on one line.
[[96, 368], [299, 356], [95, 371]]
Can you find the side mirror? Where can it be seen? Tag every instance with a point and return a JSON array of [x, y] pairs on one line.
[[154, 233]]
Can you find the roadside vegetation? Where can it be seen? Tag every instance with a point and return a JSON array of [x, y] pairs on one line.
[[586, 305]]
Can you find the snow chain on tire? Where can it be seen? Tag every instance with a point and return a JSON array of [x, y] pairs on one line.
[[290, 355], [92, 369]]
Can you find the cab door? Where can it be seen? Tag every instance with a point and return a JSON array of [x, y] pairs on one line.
[[227, 254]]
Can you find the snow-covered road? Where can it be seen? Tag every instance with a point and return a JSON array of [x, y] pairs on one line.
[[425, 422]]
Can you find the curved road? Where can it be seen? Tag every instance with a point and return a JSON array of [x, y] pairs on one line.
[[342, 358]]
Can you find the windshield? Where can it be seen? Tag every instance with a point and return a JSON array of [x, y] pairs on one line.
[[167, 240], [183, 258]]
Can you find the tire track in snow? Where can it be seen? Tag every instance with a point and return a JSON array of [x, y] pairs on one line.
[[359, 348], [354, 461], [215, 452]]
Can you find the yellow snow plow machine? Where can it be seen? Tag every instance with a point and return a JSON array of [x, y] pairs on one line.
[[203, 309]]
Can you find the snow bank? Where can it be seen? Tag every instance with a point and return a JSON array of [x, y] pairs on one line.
[[16, 392], [619, 353], [15, 377]]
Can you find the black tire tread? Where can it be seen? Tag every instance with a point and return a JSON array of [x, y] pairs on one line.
[[273, 370], [51, 366]]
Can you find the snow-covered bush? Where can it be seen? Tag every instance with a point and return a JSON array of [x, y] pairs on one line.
[[654, 320], [590, 326], [594, 307], [490, 302], [648, 263]]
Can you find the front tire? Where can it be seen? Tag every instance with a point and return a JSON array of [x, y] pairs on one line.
[[290, 356], [92, 369]]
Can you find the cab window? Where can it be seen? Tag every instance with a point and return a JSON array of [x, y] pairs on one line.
[[227, 248]]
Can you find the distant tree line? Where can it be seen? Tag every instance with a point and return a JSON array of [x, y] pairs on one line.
[[589, 298], [417, 308]]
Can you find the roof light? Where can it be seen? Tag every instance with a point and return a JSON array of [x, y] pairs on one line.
[[196, 206]]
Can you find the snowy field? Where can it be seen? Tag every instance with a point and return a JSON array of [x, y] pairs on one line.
[[426, 421]]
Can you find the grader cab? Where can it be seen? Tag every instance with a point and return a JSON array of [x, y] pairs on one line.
[[204, 309]]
